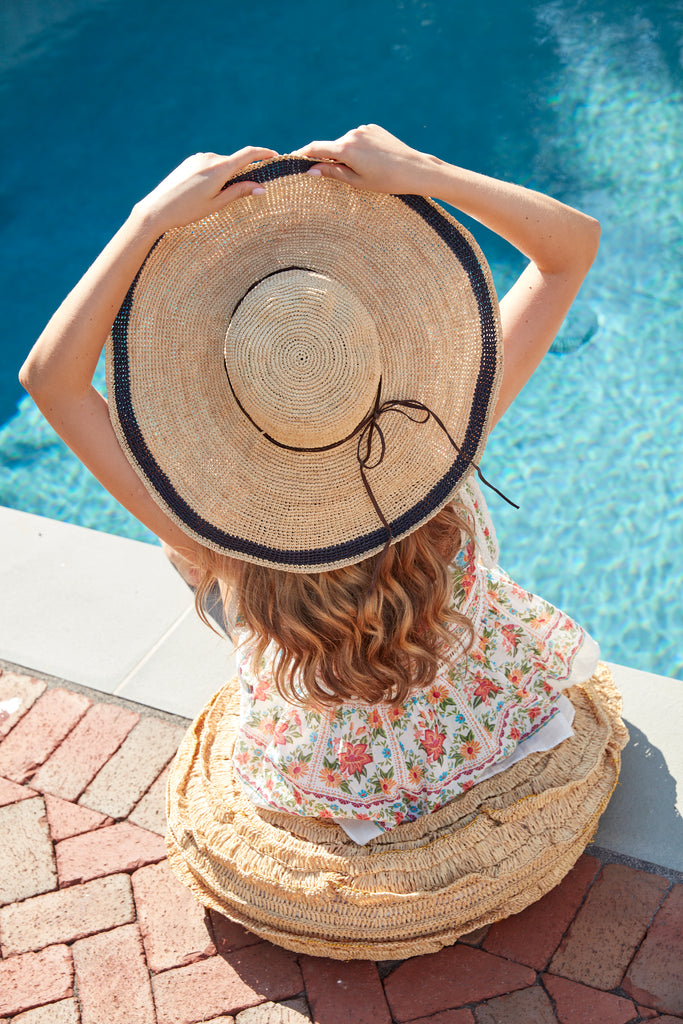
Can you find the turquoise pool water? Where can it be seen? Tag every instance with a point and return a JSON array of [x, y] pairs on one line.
[[100, 98]]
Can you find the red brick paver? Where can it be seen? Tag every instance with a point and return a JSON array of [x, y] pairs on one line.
[[578, 1004], [67, 819], [532, 937], [39, 732], [12, 792], [449, 979], [35, 978], [217, 986], [113, 982], [121, 847], [655, 977], [344, 993], [447, 1017], [609, 926], [85, 750], [89, 888], [172, 923]]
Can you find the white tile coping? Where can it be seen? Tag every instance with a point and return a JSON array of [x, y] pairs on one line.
[[112, 614]]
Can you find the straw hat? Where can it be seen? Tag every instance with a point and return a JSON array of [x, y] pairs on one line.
[[307, 375], [302, 883]]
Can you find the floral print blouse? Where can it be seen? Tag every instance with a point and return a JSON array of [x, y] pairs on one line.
[[388, 765]]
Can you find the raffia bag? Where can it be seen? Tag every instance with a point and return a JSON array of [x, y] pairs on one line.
[[301, 883]]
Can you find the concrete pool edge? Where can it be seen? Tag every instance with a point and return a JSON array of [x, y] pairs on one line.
[[62, 615]]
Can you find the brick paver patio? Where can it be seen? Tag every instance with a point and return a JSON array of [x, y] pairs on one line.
[[94, 929]]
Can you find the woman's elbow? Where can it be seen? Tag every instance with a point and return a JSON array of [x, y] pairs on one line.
[[593, 237]]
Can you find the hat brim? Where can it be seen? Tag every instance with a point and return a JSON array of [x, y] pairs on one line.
[[424, 280]]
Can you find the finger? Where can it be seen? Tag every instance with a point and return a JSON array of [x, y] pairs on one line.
[[320, 150], [338, 171], [249, 154], [237, 191]]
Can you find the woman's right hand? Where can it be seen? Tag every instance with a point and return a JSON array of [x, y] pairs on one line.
[[370, 157], [195, 188]]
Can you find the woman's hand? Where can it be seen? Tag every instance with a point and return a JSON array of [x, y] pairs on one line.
[[194, 190], [370, 157]]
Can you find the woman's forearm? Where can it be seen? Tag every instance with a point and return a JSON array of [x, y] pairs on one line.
[[62, 362], [552, 235], [555, 237]]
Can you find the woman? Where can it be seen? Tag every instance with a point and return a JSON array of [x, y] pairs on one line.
[[302, 384]]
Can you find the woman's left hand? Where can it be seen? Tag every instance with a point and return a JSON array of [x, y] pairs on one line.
[[195, 189]]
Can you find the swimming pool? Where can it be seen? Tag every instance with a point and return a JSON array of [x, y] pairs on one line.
[[100, 98]]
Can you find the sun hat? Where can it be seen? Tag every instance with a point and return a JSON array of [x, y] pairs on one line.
[[309, 374], [302, 883]]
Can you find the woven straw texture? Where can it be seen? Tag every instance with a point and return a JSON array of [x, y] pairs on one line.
[[311, 293], [301, 883]]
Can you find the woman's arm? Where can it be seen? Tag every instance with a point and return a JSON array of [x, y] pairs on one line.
[[560, 242], [59, 369]]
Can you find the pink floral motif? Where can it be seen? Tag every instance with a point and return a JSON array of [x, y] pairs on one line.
[[432, 741], [485, 687], [280, 732], [353, 758]]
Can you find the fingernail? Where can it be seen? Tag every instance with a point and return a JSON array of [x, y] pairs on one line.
[[315, 172], [258, 191]]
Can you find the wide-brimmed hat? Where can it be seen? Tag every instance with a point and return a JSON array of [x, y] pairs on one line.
[[308, 374]]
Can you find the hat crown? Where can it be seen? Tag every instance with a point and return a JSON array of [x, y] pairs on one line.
[[303, 357]]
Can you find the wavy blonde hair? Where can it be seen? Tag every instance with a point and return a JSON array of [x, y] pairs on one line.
[[340, 639]]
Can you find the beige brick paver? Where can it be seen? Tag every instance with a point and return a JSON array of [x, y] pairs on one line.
[[34, 979], [527, 1006], [121, 782], [106, 851], [150, 813], [17, 694], [27, 865], [64, 1012], [39, 732], [90, 745], [172, 924], [67, 914], [113, 981], [294, 1011]]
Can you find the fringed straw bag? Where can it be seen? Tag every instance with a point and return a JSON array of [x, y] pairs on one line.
[[303, 884]]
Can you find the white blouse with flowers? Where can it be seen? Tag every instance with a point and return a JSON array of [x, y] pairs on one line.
[[371, 767]]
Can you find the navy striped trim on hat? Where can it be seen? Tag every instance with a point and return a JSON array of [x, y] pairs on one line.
[[354, 548]]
